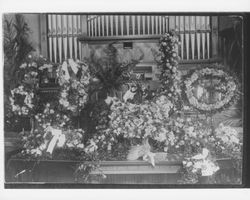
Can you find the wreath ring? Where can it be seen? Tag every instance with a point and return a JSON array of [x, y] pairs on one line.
[[216, 71]]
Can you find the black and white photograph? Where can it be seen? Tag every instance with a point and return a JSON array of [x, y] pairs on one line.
[[123, 98]]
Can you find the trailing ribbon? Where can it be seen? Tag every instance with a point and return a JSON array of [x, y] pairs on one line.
[[57, 139], [65, 70], [73, 66]]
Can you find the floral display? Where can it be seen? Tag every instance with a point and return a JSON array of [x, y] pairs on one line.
[[73, 78], [21, 101], [170, 75], [226, 89], [125, 129]]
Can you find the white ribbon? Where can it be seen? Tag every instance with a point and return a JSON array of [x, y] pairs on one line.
[[65, 69], [58, 139], [73, 65]]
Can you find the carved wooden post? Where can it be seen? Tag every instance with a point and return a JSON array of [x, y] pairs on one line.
[[85, 48], [214, 37], [43, 35]]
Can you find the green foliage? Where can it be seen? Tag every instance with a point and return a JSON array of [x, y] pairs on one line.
[[111, 73], [16, 48]]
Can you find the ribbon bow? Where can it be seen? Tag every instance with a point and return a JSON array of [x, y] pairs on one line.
[[57, 139]]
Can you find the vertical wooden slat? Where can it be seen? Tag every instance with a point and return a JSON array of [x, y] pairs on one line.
[[50, 36], [116, 24], [152, 24], [122, 20], [107, 25], [65, 36], [59, 36], [182, 35], [92, 26], [127, 24], [103, 25], [156, 25], [84, 46], [208, 35], [99, 25], [171, 22], [198, 27], [133, 25], [177, 28], [214, 32], [160, 24], [70, 33], [111, 24], [139, 24], [43, 35], [163, 24], [203, 29], [187, 36], [192, 28], [167, 23], [95, 22], [148, 22], [88, 22], [143, 25], [79, 32], [75, 35], [54, 37]]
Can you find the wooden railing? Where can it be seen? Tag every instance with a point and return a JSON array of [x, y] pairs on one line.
[[196, 33]]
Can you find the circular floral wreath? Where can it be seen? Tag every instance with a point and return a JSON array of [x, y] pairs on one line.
[[74, 78], [21, 100], [229, 88]]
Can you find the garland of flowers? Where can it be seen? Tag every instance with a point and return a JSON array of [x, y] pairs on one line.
[[74, 78], [228, 87], [170, 76]]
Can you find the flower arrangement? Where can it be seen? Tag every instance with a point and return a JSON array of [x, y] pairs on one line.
[[74, 78], [170, 76], [227, 88]]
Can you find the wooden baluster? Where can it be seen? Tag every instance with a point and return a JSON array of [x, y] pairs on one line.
[[111, 25], [177, 29], [107, 25], [160, 24], [127, 24], [156, 25], [187, 35], [122, 20], [89, 20], [192, 28], [148, 22], [79, 22], [70, 34], [116, 25], [92, 26], [65, 36], [133, 25], [95, 22], [171, 22], [103, 24], [50, 36], [139, 24], [166, 24], [143, 25], [208, 35], [163, 24], [203, 36], [75, 35], [59, 36], [99, 25], [198, 39], [182, 36], [54, 32], [152, 24]]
